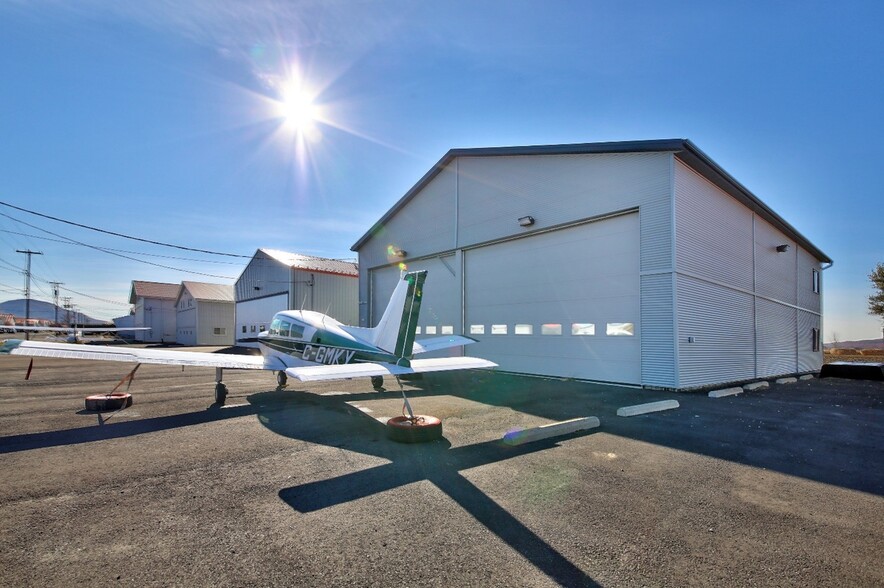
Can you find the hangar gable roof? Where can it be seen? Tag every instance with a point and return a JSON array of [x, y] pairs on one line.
[[683, 149], [314, 264], [159, 290], [206, 292]]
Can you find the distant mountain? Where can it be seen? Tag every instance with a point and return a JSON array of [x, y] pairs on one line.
[[43, 310], [867, 344]]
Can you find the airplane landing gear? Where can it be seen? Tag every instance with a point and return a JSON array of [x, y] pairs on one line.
[[377, 382], [281, 379], [220, 387]]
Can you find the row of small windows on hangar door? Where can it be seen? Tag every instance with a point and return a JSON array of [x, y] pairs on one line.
[[585, 274]]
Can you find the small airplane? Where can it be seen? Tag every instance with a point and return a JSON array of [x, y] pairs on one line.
[[79, 334], [306, 345]]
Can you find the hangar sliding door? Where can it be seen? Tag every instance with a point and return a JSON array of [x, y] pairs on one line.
[[563, 303], [440, 305]]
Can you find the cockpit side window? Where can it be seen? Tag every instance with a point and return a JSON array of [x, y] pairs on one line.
[[297, 331], [284, 328], [274, 327]]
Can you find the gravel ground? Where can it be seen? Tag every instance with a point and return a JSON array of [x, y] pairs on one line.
[[781, 487]]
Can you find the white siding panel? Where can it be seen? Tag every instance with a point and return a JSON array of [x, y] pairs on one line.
[[215, 315], [775, 271], [423, 226], [808, 360], [330, 294], [807, 298], [716, 333], [263, 276], [658, 331], [713, 231], [776, 328], [555, 189]]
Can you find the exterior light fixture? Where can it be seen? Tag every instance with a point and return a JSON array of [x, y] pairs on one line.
[[399, 252], [526, 221], [782, 248]]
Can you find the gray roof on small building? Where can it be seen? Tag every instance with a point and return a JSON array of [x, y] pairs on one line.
[[205, 292], [683, 149], [159, 290]]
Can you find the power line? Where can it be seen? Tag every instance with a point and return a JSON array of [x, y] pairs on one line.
[[110, 252], [82, 226]]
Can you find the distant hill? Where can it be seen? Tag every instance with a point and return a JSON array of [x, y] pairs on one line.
[[867, 344], [42, 310]]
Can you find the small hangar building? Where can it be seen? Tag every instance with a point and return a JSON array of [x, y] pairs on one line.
[[277, 280], [205, 314], [154, 305], [640, 263]]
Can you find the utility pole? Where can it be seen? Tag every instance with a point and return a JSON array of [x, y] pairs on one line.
[[55, 286], [29, 253], [66, 300]]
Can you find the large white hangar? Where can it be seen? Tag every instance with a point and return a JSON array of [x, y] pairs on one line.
[[277, 280], [640, 263]]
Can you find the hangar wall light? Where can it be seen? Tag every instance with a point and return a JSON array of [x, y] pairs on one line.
[[526, 221], [396, 252], [782, 248]]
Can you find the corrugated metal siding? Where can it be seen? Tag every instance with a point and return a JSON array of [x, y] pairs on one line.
[[808, 359], [262, 277], [720, 320], [333, 295], [424, 226], [658, 331], [558, 189], [807, 298], [775, 272], [214, 315], [713, 231], [776, 327]]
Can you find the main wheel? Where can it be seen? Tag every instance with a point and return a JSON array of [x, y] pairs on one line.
[[377, 382], [220, 393], [281, 379], [418, 430]]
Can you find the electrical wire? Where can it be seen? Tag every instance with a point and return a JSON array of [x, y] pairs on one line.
[[106, 232]]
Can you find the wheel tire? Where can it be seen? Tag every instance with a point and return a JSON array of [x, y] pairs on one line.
[[281, 379], [115, 401], [424, 428], [220, 393], [377, 382]]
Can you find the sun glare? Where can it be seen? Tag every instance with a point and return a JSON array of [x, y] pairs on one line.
[[297, 108]]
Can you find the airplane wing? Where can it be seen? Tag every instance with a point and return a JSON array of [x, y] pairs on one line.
[[136, 355], [84, 330], [358, 370], [437, 343]]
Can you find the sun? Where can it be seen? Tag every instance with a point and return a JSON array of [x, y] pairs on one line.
[[297, 107]]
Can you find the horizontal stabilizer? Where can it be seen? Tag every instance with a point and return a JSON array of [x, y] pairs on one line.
[[362, 370], [437, 343]]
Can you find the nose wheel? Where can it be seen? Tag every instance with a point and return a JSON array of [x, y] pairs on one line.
[[281, 379], [220, 387]]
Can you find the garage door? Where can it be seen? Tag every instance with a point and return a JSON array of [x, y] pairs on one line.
[[251, 315], [563, 303]]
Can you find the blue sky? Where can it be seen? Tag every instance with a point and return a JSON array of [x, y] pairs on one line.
[[160, 119]]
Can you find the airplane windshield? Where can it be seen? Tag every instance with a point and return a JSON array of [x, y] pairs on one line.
[[285, 328]]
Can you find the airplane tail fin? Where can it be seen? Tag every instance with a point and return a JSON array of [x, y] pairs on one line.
[[396, 330]]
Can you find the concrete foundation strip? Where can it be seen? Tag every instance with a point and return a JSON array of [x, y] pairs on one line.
[[636, 409], [756, 386], [550, 430]]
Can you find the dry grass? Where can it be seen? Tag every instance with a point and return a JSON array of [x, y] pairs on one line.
[[870, 355]]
